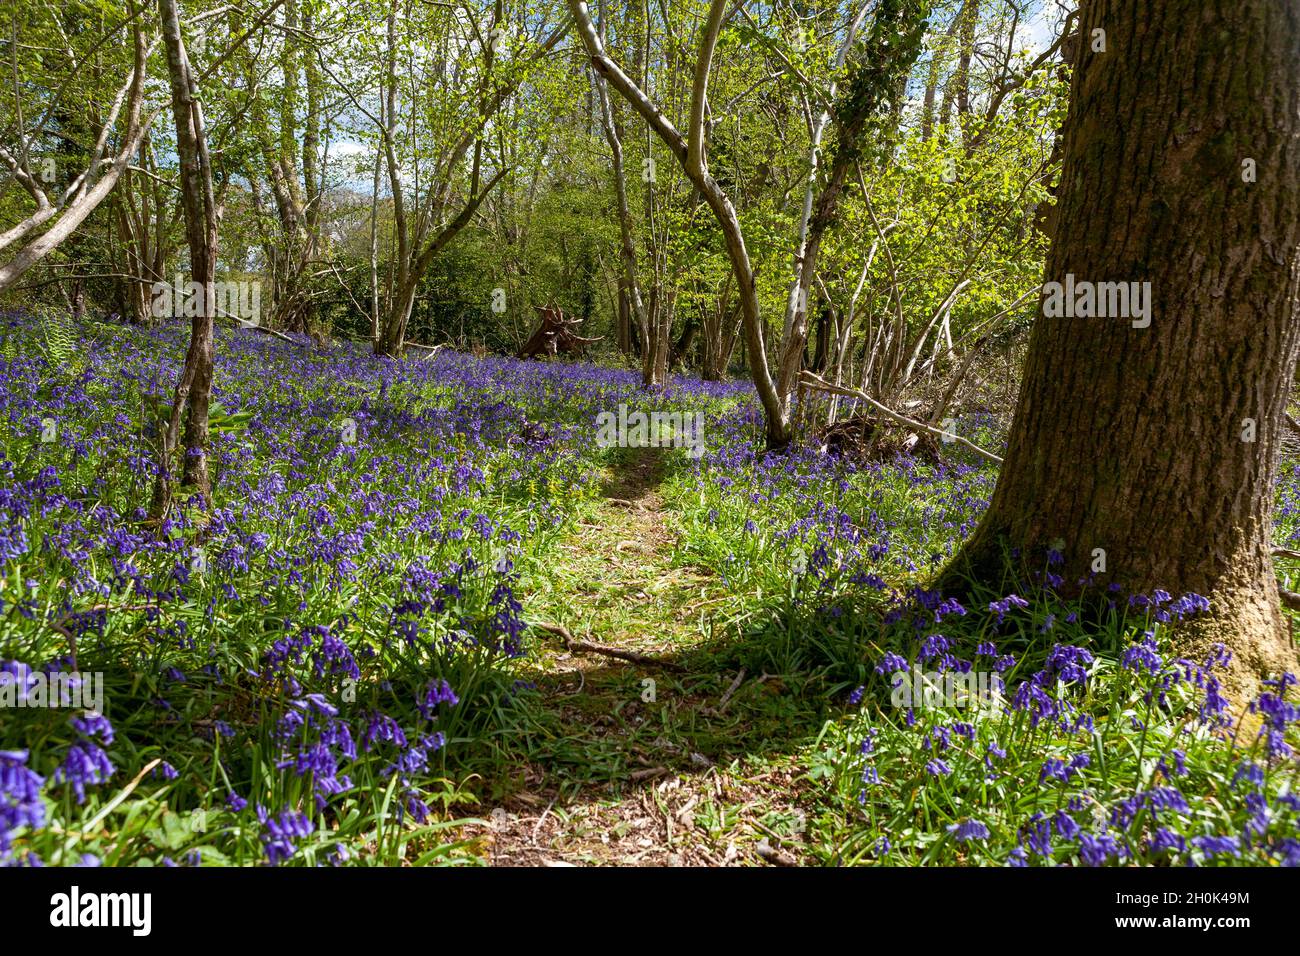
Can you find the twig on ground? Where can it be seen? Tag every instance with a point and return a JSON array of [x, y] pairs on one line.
[[540, 821], [726, 698], [648, 773], [575, 644], [773, 855], [431, 349]]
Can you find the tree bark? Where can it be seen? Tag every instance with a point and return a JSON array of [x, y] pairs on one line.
[[194, 388], [629, 288], [1131, 439], [81, 198], [689, 151], [624, 321]]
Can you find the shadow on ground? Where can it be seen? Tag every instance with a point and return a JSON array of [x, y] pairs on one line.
[[698, 754]]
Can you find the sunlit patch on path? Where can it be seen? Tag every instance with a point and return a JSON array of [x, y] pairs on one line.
[[633, 763]]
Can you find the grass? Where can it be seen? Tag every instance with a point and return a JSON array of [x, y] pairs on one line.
[[274, 668]]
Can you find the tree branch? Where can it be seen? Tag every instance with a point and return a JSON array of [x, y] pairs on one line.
[[818, 384]]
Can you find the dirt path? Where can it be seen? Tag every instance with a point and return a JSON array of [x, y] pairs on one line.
[[689, 763]]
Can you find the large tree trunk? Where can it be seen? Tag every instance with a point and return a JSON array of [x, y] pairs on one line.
[[1131, 439]]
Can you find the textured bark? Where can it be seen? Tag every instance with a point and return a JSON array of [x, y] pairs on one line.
[[682, 344], [665, 310], [1131, 439], [623, 332], [194, 389]]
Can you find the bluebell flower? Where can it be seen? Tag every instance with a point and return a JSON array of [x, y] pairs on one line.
[[969, 830], [1164, 840], [278, 833], [20, 798], [1218, 845], [435, 693], [891, 663], [1096, 849], [85, 764], [1002, 607], [92, 724]]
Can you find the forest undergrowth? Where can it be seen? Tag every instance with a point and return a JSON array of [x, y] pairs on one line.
[[428, 619]]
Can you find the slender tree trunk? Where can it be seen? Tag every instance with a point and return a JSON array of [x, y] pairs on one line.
[[682, 344], [629, 286], [808, 240], [624, 330], [374, 254], [933, 71], [689, 152], [970, 14], [1157, 445], [664, 329], [889, 52], [193, 390]]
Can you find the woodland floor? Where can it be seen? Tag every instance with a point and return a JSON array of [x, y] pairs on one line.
[[692, 761]]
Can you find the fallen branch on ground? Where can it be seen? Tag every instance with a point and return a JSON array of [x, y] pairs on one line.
[[575, 644], [431, 349], [726, 698], [819, 384], [259, 328], [773, 855]]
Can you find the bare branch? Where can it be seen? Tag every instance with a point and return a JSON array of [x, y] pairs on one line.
[[818, 384]]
